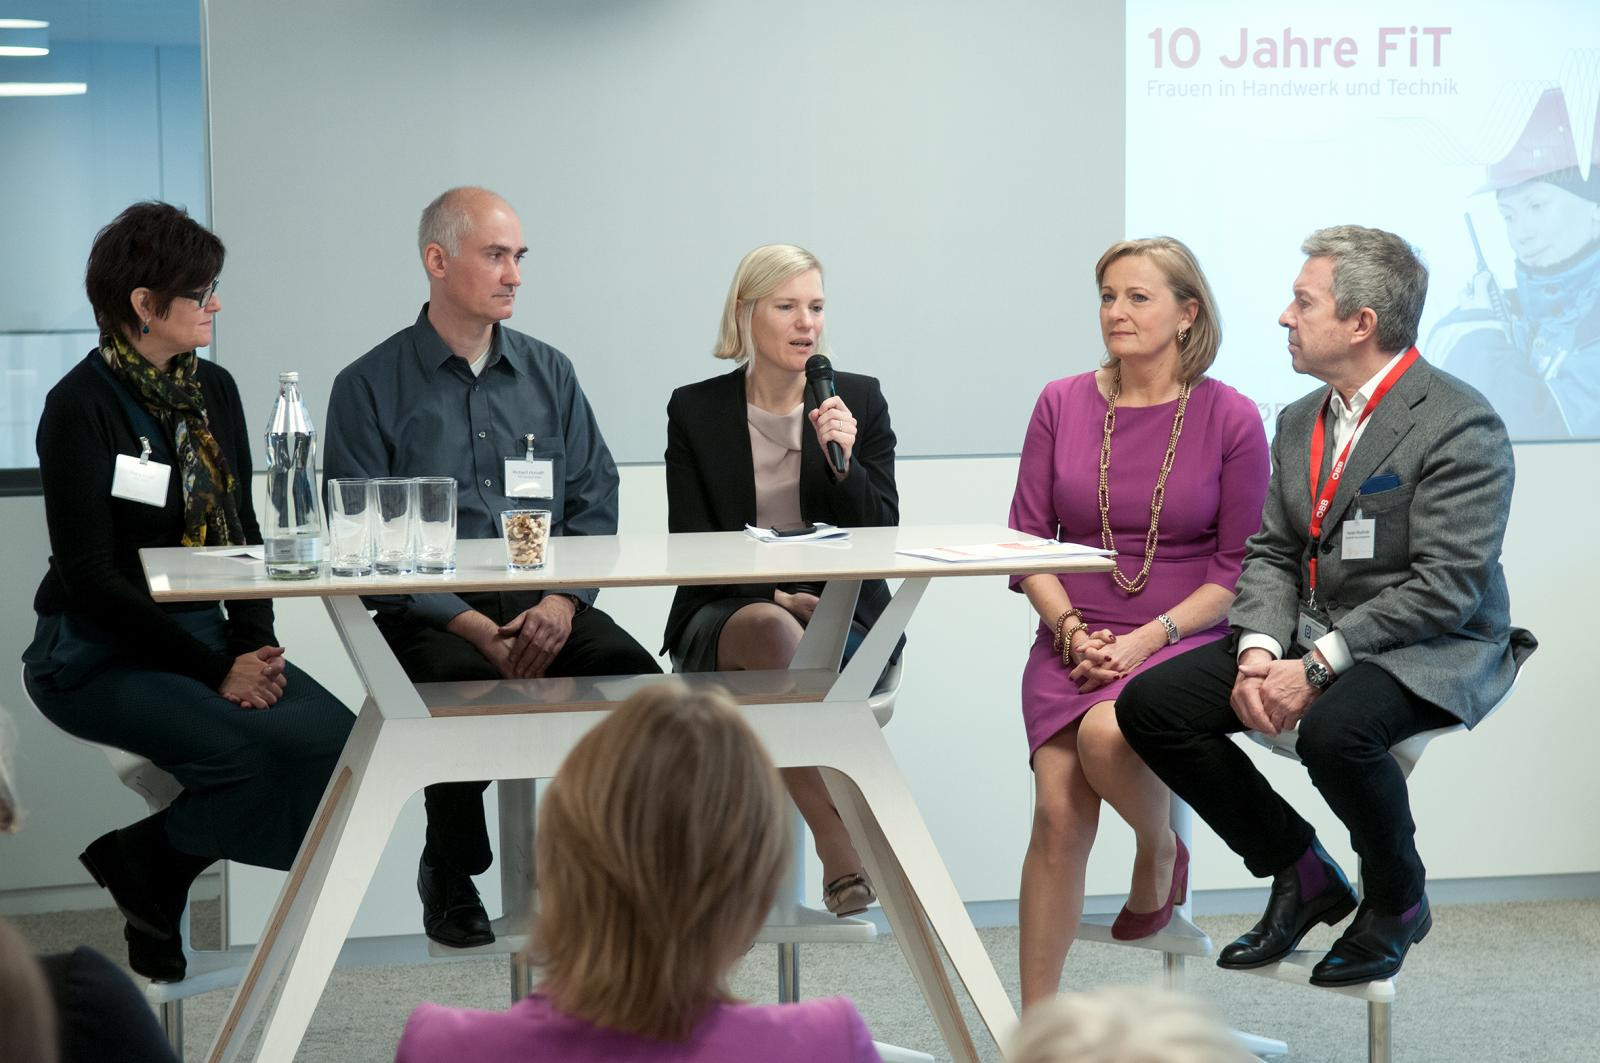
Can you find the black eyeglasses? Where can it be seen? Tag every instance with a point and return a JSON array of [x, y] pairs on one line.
[[201, 298]]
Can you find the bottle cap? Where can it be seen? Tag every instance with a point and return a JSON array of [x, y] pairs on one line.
[[288, 378]]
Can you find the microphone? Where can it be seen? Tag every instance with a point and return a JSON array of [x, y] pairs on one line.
[[819, 388]]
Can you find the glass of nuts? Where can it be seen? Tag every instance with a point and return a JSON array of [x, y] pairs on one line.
[[527, 535]]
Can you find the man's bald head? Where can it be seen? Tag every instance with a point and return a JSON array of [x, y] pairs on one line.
[[449, 218]]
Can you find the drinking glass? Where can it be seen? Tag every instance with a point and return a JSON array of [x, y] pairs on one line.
[[527, 535], [352, 509], [396, 531], [436, 524]]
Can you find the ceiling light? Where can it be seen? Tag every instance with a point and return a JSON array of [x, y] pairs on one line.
[[43, 88], [24, 37]]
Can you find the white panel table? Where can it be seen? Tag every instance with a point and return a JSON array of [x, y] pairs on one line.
[[408, 736]]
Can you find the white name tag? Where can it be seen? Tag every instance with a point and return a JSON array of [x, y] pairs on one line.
[[141, 481], [530, 479], [1307, 630], [1360, 536]]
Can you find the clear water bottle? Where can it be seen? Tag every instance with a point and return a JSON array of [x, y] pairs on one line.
[[292, 525]]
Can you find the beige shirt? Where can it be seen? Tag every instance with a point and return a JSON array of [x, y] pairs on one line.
[[775, 452]]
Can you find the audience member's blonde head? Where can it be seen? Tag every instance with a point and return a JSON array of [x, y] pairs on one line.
[[1124, 1025], [661, 843], [27, 1012], [759, 274]]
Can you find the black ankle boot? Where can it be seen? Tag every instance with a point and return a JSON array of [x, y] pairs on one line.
[[158, 959], [149, 881]]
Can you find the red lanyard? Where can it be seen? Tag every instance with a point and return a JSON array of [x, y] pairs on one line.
[[1322, 500]]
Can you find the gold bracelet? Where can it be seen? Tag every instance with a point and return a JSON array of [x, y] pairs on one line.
[[1062, 619], [1066, 645]]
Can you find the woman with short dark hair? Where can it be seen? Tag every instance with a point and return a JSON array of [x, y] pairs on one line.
[[143, 444]]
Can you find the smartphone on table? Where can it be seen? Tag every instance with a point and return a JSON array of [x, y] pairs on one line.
[[784, 531]]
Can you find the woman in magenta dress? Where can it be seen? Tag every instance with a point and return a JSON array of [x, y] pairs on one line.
[[1169, 467]]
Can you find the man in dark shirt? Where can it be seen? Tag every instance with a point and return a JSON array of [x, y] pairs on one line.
[[459, 394]]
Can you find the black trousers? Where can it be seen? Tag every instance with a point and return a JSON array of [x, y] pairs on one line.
[[1177, 717], [458, 836]]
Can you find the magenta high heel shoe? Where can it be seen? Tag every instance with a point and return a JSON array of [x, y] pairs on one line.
[[1131, 926]]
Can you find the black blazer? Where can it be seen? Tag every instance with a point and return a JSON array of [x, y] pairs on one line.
[[95, 539], [711, 480]]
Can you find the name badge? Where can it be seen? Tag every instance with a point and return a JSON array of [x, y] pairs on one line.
[[1360, 536], [141, 481], [1307, 630], [530, 478]]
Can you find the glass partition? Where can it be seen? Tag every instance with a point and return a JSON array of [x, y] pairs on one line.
[[110, 113]]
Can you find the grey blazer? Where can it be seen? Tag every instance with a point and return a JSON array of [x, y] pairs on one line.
[[1430, 607]]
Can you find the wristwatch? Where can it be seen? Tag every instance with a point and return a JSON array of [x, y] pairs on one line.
[[1319, 675], [578, 604]]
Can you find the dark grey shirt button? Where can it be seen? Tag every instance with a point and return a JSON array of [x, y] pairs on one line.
[[486, 483], [482, 434]]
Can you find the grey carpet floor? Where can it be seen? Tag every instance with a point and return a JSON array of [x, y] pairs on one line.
[[1498, 982]]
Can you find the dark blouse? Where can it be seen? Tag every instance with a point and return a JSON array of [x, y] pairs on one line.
[[95, 539]]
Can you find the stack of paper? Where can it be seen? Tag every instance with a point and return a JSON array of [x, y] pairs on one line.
[[1019, 549]]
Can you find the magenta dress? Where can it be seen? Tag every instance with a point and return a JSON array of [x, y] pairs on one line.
[[1213, 504], [532, 1031]]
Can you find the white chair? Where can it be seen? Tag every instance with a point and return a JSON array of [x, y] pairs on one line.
[[208, 969], [1296, 968]]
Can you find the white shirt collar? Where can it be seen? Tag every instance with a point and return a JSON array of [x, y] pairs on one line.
[[1363, 395]]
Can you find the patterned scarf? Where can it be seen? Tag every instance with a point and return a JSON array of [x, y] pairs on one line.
[[210, 517]]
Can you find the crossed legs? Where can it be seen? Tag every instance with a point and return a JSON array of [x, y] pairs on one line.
[[1085, 763]]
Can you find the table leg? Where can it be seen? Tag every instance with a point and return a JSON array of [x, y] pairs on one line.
[[321, 915], [518, 871], [860, 676], [822, 646], [923, 906], [285, 929]]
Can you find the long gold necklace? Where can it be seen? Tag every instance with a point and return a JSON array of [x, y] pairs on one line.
[[1157, 497]]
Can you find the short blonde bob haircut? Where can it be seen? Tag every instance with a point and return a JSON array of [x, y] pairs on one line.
[[759, 274], [662, 841], [1198, 349], [1122, 1024]]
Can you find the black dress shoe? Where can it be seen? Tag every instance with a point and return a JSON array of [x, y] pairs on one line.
[[137, 896], [158, 959], [1288, 917], [452, 914], [1372, 947]]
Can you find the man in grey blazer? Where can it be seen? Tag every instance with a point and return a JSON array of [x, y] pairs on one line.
[[1372, 607]]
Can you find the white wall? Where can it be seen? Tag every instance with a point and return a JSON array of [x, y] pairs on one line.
[[956, 166], [1502, 801]]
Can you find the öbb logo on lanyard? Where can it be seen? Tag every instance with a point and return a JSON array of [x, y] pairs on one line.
[[1322, 499]]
